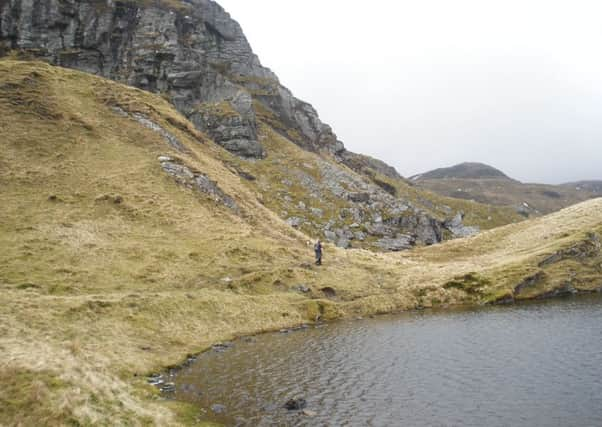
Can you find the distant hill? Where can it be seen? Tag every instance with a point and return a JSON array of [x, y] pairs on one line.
[[486, 184], [466, 170]]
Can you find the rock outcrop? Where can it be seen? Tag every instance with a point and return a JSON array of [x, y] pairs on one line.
[[457, 228], [197, 181]]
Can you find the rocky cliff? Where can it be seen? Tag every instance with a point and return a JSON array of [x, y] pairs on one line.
[[196, 56], [192, 52]]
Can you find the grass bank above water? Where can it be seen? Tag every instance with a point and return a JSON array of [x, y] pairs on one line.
[[110, 269]]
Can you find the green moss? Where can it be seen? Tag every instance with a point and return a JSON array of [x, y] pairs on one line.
[[471, 283], [497, 296]]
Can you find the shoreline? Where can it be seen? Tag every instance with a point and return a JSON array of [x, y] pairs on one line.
[[223, 345], [171, 372]]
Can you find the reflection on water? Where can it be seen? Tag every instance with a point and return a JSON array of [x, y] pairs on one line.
[[531, 365]]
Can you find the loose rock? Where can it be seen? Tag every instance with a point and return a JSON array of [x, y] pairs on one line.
[[302, 288], [221, 347], [168, 388], [218, 408], [295, 404], [295, 222]]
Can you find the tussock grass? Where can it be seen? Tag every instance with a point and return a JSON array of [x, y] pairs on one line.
[[96, 294]]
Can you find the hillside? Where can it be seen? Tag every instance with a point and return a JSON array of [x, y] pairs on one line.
[[487, 185], [196, 57], [131, 239]]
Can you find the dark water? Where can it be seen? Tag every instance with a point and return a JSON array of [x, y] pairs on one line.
[[525, 365]]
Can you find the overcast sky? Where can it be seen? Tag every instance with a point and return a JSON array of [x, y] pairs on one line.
[[430, 83]]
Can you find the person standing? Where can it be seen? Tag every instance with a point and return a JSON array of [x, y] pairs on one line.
[[318, 251]]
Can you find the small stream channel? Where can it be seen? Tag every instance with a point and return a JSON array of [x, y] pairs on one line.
[[533, 364]]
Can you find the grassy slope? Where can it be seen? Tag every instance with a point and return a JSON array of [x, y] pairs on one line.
[[94, 294]]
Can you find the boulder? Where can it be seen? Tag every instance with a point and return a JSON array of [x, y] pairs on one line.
[[360, 235], [295, 404], [302, 288], [317, 212], [424, 228], [343, 243], [456, 226], [218, 408], [359, 197], [344, 234], [330, 235], [295, 222]]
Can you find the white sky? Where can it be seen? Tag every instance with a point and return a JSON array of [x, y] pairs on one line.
[[423, 84]]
